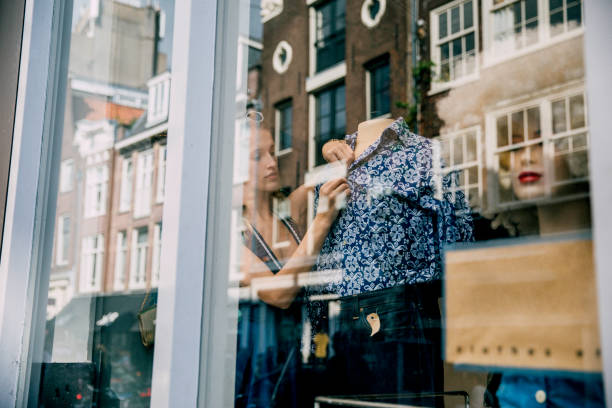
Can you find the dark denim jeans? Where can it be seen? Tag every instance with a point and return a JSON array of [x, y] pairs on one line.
[[403, 357]]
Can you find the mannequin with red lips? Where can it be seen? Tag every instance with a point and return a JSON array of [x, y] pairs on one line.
[[529, 180]]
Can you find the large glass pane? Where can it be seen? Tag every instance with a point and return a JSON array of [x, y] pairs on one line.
[[113, 146], [401, 255]]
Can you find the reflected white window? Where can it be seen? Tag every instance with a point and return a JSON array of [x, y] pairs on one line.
[[378, 88], [127, 182], [157, 231], [138, 264], [96, 191], [92, 253], [565, 15], [460, 153], [120, 260], [454, 40], [144, 181], [161, 174], [66, 176], [540, 150], [62, 243], [283, 128], [515, 25]]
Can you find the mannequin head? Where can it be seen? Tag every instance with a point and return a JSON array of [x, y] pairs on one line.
[[528, 173]]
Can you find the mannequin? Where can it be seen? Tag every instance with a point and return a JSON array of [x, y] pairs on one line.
[[369, 131]]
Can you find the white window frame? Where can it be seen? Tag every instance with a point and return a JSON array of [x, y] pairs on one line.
[[325, 77], [143, 193], [155, 262], [161, 174], [139, 259], [281, 208], [543, 101], [121, 261], [437, 85], [92, 264], [61, 243], [66, 176], [277, 129], [96, 190], [127, 184], [544, 37], [478, 162]]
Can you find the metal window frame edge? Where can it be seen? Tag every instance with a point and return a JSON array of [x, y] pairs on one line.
[[177, 357], [598, 65], [217, 390], [31, 199]]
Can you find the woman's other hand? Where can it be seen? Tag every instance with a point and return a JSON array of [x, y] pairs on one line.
[[338, 150], [331, 193]]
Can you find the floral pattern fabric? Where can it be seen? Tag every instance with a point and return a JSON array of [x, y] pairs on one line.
[[400, 212]]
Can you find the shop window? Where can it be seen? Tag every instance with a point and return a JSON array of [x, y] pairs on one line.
[[460, 153], [63, 240], [378, 89], [92, 254], [138, 267], [161, 174], [96, 191], [284, 128], [454, 41], [330, 33], [330, 118], [121, 260], [127, 182], [144, 182], [157, 242], [541, 150], [565, 16], [66, 176]]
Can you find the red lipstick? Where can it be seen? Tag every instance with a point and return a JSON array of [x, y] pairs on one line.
[[529, 177]]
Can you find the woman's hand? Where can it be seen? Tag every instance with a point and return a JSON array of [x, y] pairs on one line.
[[338, 150], [329, 194]]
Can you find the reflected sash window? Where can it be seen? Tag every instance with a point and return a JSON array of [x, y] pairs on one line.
[[330, 33], [120, 260], [330, 118], [96, 191], [515, 25], [144, 182], [63, 240], [66, 175], [460, 154], [565, 15], [283, 127], [552, 137], [454, 43], [127, 174], [157, 233], [161, 174], [140, 246], [92, 253], [379, 87]]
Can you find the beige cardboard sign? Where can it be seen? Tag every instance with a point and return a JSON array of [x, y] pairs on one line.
[[531, 305]]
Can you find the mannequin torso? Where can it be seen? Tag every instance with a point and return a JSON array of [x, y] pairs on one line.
[[369, 131]]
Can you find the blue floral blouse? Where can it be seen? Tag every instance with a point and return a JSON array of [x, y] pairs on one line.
[[400, 212]]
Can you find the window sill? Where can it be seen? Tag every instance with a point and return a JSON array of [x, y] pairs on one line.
[[492, 61], [441, 87], [326, 77]]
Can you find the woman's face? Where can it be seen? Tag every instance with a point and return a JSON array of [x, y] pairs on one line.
[[263, 164], [528, 175]]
